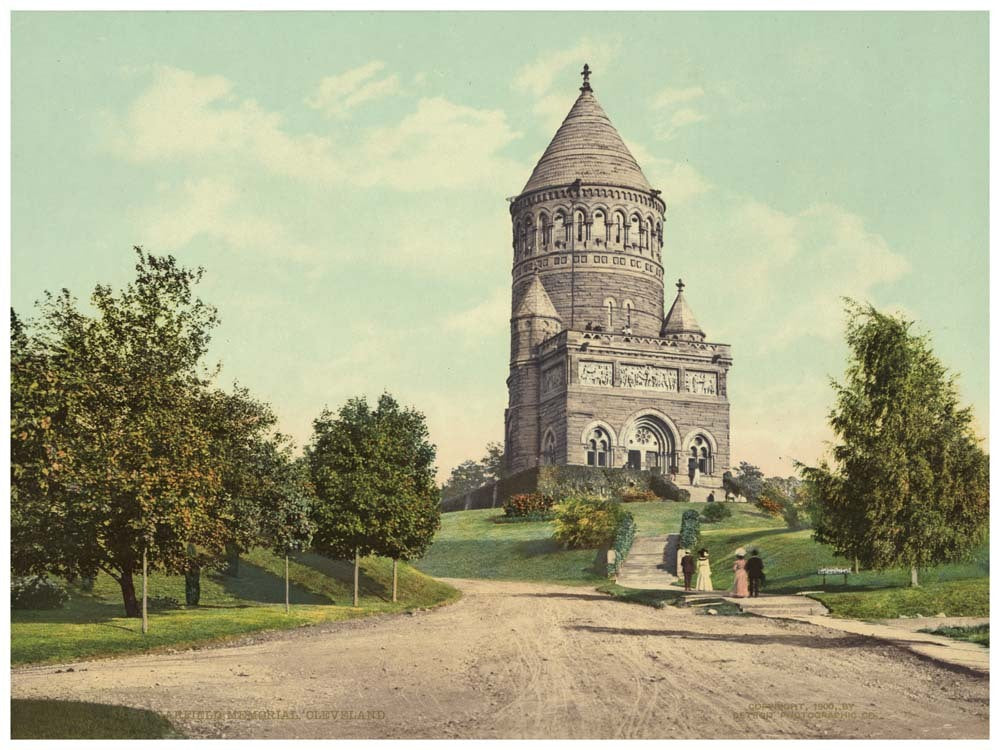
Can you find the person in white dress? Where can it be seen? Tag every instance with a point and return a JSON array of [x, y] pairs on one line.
[[704, 580]]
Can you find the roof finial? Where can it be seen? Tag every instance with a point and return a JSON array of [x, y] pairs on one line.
[[586, 78], [680, 285]]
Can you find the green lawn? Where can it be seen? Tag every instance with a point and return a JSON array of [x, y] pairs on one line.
[[55, 720], [471, 545], [974, 633], [92, 624]]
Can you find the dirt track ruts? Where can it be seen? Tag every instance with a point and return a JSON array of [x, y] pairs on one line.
[[514, 660]]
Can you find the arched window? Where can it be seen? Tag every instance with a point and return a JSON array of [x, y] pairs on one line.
[[549, 448], [701, 456], [546, 226], [609, 305], [529, 236], [523, 239], [559, 229], [599, 230], [579, 220], [659, 233], [627, 308], [598, 448], [620, 234], [635, 231]]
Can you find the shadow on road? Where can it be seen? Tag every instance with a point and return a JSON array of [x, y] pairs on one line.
[[804, 641]]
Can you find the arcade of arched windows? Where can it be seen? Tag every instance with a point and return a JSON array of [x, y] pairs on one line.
[[582, 229]]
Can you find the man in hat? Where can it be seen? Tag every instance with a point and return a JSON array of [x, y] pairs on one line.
[[755, 572], [687, 568]]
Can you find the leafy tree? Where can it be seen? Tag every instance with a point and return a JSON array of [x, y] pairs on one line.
[[748, 482], [908, 483], [470, 475], [288, 523], [372, 471], [465, 477], [110, 465], [494, 466]]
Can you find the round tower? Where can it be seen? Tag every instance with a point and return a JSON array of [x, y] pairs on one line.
[[590, 225]]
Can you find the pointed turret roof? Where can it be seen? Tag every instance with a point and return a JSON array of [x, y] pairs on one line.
[[680, 322], [536, 302], [587, 147]]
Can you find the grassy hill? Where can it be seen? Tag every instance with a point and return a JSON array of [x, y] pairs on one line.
[[91, 624], [471, 545]]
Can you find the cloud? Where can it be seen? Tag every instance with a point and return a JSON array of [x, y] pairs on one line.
[[678, 182], [337, 95], [182, 115], [538, 77], [785, 272], [441, 144], [492, 314], [210, 207], [668, 97]]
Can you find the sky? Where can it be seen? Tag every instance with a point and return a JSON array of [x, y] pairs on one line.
[[342, 178]]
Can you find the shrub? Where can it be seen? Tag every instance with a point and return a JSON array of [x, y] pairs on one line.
[[37, 592], [769, 505], [715, 512], [528, 504], [622, 543], [587, 521], [690, 529], [666, 489], [635, 495]]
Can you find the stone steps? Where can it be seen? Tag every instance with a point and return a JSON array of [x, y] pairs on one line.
[[648, 563]]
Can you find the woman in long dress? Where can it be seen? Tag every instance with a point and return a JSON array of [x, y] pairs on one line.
[[741, 584], [704, 580]]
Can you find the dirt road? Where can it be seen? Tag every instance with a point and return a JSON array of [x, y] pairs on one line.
[[531, 660]]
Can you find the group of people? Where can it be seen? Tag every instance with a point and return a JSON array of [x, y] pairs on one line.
[[748, 573]]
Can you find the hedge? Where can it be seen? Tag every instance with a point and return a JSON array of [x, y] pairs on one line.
[[690, 529], [624, 536]]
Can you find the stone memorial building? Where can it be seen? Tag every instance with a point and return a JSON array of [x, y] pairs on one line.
[[598, 375]]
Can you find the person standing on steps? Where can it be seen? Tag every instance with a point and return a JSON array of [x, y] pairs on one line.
[[755, 572], [704, 580], [740, 582], [687, 568]]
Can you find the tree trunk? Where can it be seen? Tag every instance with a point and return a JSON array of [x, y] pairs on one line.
[[145, 592], [394, 578], [287, 610], [914, 579], [232, 561], [357, 568], [192, 580], [857, 566], [128, 594]]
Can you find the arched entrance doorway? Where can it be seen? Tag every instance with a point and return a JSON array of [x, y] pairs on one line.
[[650, 445]]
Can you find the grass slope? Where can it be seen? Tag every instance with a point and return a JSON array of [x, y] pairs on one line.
[[92, 624], [58, 720], [471, 545]]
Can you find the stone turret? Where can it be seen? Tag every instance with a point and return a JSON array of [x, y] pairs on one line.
[[680, 324]]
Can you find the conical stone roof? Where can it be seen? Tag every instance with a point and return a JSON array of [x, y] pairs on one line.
[[680, 321], [536, 302], [587, 147]]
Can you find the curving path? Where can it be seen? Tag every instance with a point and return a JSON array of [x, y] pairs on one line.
[[537, 660]]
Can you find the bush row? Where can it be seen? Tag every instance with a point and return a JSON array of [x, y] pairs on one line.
[[690, 530], [528, 504], [37, 592], [622, 543], [587, 521]]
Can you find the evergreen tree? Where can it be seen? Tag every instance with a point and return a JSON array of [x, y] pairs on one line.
[[909, 483]]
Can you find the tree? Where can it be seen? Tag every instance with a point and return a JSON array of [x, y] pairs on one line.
[[110, 466], [373, 475], [465, 477], [908, 483], [470, 475], [748, 482], [288, 523]]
